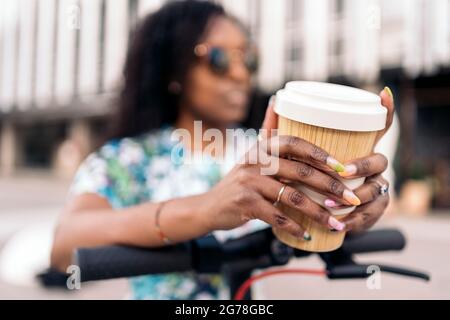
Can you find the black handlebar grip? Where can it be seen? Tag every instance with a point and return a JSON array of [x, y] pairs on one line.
[[124, 261], [375, 240]]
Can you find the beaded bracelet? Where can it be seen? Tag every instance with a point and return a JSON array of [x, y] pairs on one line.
[[161, 234]]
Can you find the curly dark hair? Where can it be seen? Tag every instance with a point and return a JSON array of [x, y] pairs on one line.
[[161, 50]]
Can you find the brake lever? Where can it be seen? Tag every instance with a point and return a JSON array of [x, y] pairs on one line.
[[358, 271], [404, 272], [340, 265]]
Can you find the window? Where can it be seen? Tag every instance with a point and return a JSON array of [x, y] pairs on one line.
[[293, 11], [254, 9], [337, 40], [294, 39]]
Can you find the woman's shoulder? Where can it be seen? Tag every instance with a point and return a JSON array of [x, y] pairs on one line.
[[118, 169]]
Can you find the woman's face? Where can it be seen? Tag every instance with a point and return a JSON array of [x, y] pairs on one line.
[[220, 99]]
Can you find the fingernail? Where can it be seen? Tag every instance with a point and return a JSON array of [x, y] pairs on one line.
[[349, 196], [335, 165], [330, 203], [389, 92], [307, 236], [260, 137], [271, 100], [336, 224], [349, 170]]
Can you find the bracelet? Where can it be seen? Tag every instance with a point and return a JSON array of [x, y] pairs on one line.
[[161, 234]]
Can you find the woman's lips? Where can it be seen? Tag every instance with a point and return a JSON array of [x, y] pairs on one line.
[[237, 97]]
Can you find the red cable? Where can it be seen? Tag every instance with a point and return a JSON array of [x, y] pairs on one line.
[[240, 293]]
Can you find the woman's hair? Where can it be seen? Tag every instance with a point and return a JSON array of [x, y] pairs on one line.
[[161, 50]]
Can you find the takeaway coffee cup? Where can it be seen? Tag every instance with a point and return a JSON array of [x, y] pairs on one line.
[[344, 121]]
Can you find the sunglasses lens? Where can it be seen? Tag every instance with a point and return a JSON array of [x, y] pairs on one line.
[[251, 62], [218, 60]]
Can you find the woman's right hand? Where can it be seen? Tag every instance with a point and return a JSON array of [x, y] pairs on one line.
[[245, 193]]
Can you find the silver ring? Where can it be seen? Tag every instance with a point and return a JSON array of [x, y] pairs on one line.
[[280, 193], [384, 188]]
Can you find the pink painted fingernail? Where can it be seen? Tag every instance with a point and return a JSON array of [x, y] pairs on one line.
[[349, 170], [330, 203], [336, 224]]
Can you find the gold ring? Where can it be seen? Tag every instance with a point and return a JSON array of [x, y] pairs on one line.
[[280, 193]]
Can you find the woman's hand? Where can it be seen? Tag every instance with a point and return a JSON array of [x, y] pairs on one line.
[[247, 193], [387, 100], [373, 202], [373, 193]]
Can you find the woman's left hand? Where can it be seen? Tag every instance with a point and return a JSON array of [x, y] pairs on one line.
[[373, 200], [374, 196], [372, 207], [373, 193]]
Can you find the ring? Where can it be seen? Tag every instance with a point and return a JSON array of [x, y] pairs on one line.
[[384, 188], [280, 193]]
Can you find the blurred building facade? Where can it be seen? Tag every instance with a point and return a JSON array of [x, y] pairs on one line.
[[61, 61]]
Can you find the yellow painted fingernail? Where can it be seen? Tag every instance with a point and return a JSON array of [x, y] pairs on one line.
[[389, 92], [335, 165]]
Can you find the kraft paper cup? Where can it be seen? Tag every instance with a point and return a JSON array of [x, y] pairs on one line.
[[343, 121]]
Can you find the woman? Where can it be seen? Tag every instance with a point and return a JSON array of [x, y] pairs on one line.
[[191, 61]]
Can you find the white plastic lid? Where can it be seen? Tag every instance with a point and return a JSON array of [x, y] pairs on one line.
[[331, 106]]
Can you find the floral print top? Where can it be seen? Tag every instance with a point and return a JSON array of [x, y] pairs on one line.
[[130, 171]]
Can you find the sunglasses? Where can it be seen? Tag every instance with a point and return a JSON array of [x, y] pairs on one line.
[[220, 59]]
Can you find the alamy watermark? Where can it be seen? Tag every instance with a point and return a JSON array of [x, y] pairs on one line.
[[373, 17], [373, 282], [242, 146], [73, 16], [74, 277]]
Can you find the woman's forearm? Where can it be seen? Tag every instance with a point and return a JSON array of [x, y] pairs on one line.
[[180, 220], [98, 224]]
